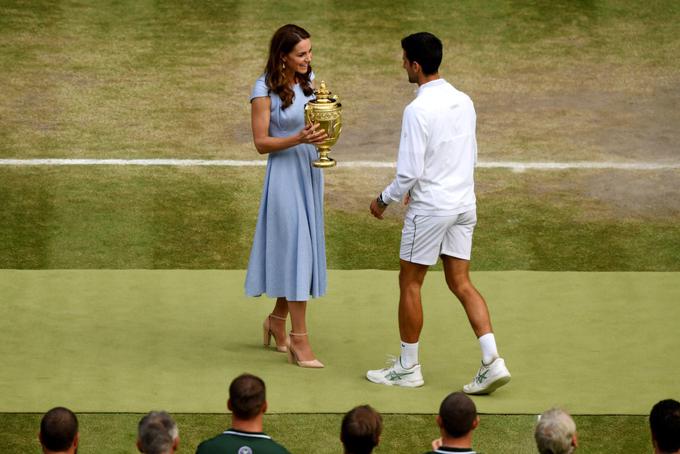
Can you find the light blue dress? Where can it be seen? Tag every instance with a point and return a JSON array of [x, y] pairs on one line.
[[288, 258]]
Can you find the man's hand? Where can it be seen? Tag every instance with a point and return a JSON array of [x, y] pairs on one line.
[[377, 210]]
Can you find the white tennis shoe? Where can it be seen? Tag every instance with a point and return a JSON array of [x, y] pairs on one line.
[[489, 378], [396, 375]]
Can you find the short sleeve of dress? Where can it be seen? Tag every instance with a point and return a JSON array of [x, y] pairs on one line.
[[260, 89]]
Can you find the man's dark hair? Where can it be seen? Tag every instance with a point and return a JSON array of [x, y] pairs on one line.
[[360, 430], [664, 421], [424, 48], [458, 414], [58, 429], [247, 395]]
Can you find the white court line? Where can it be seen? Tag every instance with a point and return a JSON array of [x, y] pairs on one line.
[[512, 165]]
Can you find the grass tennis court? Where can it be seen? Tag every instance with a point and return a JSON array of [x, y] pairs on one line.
[[551, 81], [169, 338]]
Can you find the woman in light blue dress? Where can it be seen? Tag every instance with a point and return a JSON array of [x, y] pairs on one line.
[[288, 257]]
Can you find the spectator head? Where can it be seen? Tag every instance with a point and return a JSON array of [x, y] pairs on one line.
[[425, 49], [360, 430], [59, 431], [664, 421], [247, 397], [457, 415], [556, 433], [157, 433]]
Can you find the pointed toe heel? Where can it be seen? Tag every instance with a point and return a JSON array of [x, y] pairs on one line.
[[293, 357]]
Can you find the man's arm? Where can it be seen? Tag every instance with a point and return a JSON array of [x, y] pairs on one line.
[[410, 162]]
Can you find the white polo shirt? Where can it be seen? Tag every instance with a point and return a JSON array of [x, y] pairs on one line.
[[437, 152]]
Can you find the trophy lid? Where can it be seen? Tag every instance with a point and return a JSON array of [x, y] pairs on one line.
[[323, 95]]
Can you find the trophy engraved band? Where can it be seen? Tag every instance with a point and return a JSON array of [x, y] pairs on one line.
[[327, 111]]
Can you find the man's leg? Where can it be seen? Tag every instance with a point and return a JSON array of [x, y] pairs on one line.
[[411, 277], [493, 373], [421, 240], [405, 371], [457, 273]]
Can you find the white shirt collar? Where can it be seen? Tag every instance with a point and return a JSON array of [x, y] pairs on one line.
[[432, 83]]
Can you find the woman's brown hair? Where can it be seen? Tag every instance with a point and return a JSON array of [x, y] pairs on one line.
[[283, 42]]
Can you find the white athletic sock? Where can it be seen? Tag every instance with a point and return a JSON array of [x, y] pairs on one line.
[[489, 351], [409, 355]]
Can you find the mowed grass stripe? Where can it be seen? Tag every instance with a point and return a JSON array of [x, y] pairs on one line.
[[584, 80], [123, 217], [116, 433], [517, 166]]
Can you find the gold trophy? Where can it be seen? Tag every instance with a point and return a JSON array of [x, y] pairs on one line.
[[327, 111]]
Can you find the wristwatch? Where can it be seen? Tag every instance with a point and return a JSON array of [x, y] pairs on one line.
[[380, 201]]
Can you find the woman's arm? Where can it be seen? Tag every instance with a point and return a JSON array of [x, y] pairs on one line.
[[264, 143]]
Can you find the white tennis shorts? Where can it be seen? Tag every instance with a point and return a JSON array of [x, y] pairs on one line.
[[425, 238]]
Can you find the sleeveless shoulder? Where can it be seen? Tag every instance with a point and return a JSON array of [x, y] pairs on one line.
[[260, 89]]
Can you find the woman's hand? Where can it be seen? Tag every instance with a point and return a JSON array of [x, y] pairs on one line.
[[264, 143], [310, 134]]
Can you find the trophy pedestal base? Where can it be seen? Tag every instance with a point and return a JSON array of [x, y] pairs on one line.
[[324, 163]]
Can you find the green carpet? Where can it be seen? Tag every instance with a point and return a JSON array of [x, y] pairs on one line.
[[131, 341]]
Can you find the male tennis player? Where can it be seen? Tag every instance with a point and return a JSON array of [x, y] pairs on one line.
[[435, 167]]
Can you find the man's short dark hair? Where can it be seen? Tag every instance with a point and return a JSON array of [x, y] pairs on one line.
[[58, 429], [424, 48], [247, 395], [156, 433], [664, 421], [458, 414], [361, 429]]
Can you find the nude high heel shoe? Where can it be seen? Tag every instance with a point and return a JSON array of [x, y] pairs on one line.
[[268, 333], [293, 357]]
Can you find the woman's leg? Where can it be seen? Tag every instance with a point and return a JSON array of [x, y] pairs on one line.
[[300, 343], [277, 323]]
